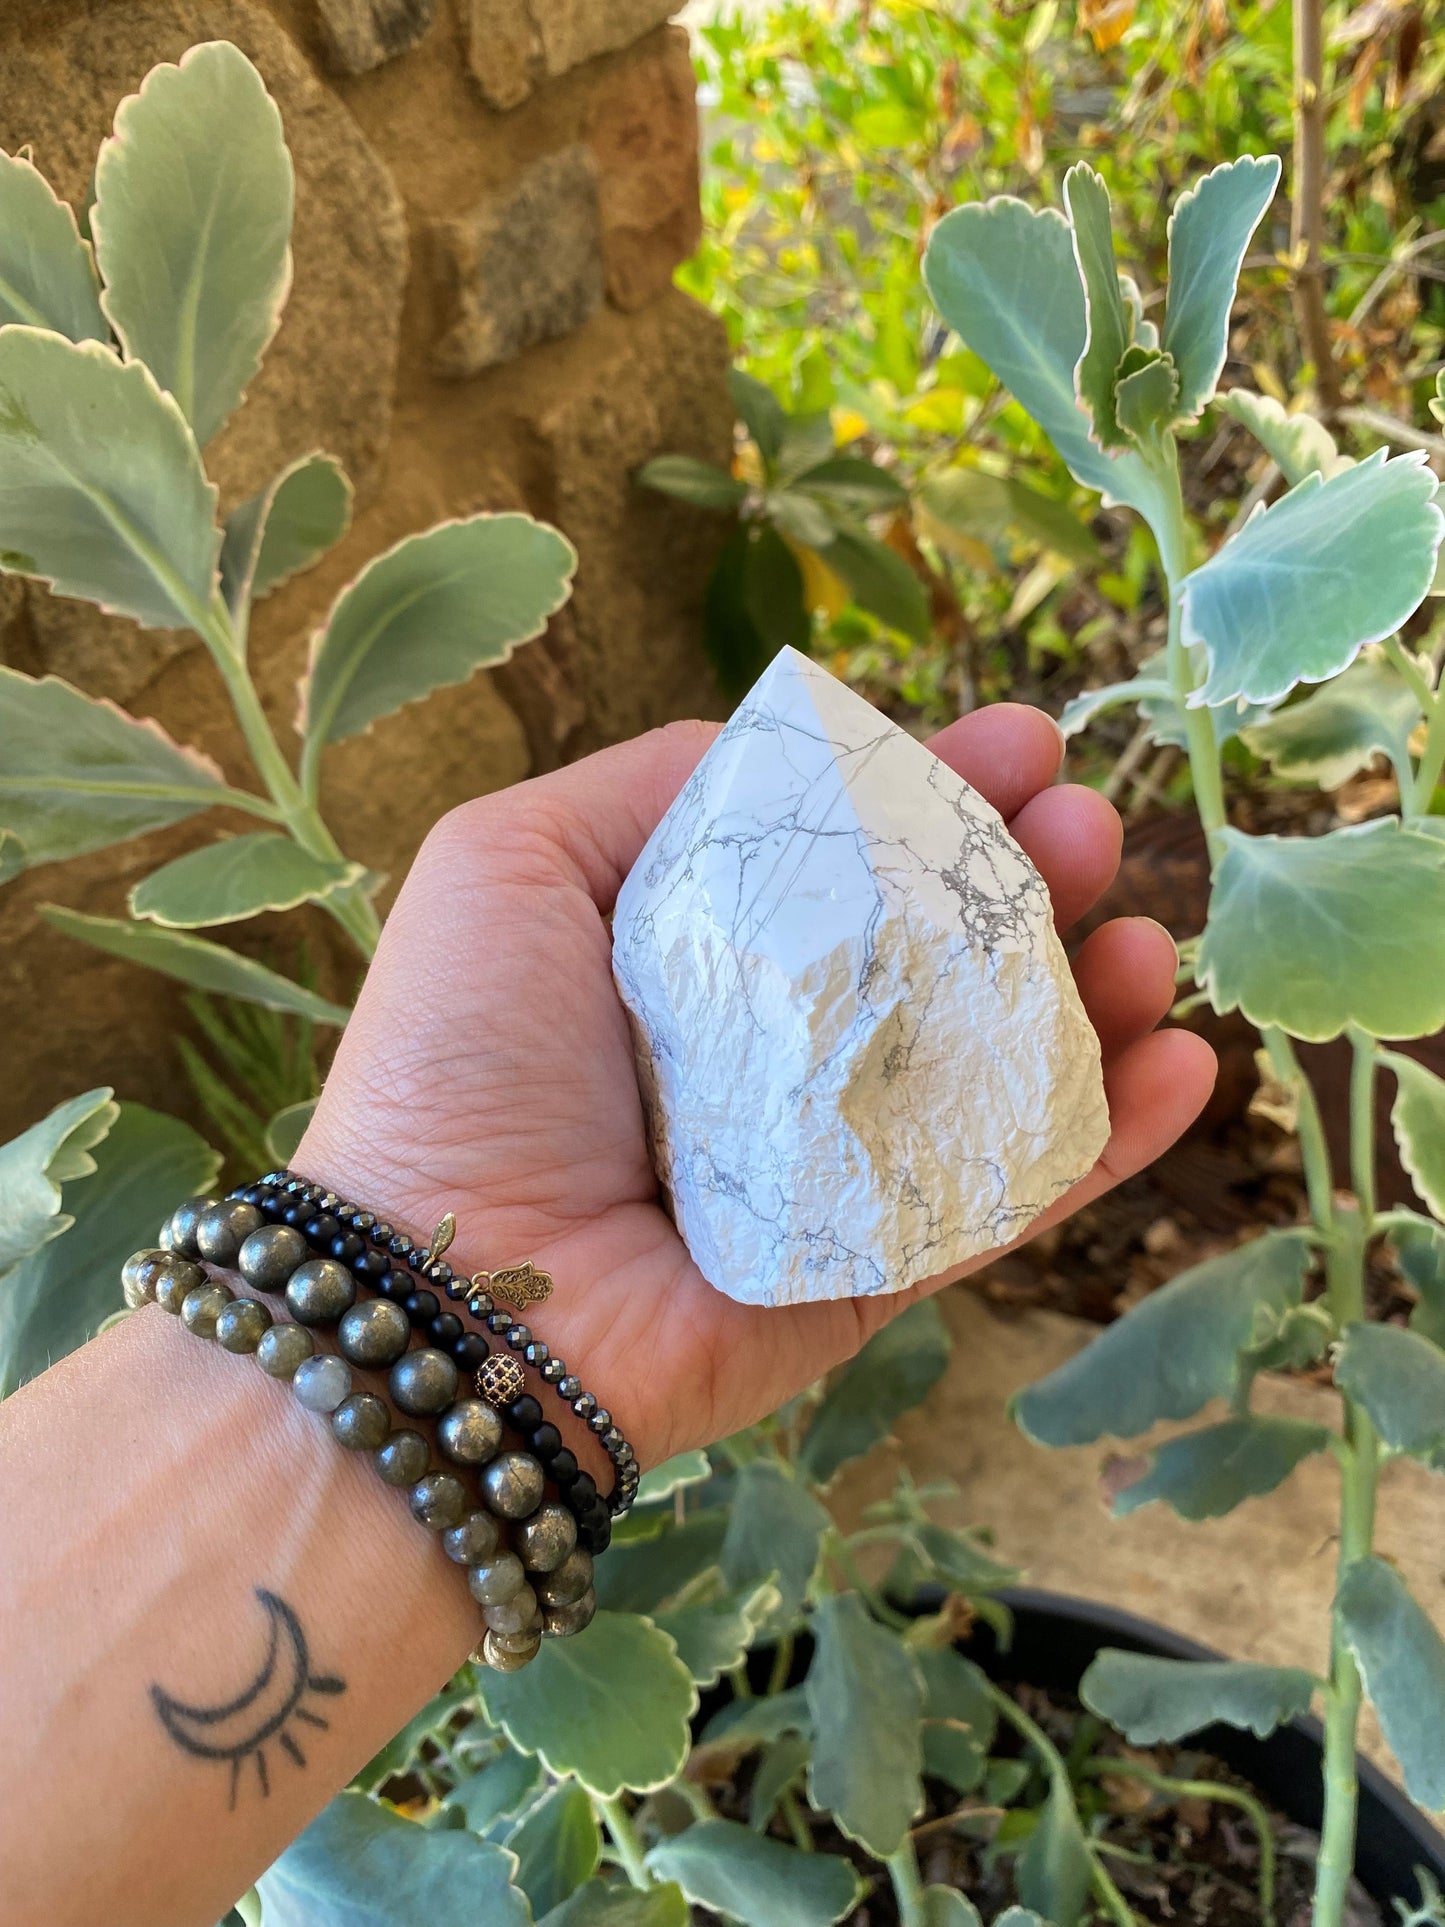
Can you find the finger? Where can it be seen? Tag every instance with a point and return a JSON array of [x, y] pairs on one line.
[[1008, 752], [1074, 838], [1125, 975]]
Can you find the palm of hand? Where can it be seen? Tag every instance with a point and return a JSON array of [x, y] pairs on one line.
[[488, 1071]]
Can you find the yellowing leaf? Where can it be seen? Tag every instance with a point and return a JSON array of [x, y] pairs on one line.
[[1106, 21]]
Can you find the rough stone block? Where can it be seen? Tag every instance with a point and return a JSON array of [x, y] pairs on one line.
[[643, 131], [525, 266], [361, 34], [513, 45]]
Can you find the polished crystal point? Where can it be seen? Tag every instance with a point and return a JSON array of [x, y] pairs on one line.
[[859, 1046]]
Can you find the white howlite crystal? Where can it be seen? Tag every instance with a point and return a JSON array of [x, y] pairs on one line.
[[859, 1046]]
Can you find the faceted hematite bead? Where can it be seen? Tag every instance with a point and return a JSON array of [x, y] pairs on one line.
[[554, 1370], [175, 1280], [536, 1354], [138, 1275], [518, 1336], [512, 1615], [567, 1582], [439, 1500], [269, 1256], [424, 1382], [600, 1421], [472, 1542], [569, 1386], [374, 1334], [284, 1348], [546, 1538], [319, 1291], [585, 1405], [503, 1660], [361, 1422], [202, 1307], [512, 1485], [223, 1228], [497, 1579], [499, 1321], [242, 1325], [403, 1458], [321, 1383], [180, 1229], [562, 1621], [470, 1432]]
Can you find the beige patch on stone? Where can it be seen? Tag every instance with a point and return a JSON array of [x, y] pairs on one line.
[[361, 34], [644, 132], [513, 45]]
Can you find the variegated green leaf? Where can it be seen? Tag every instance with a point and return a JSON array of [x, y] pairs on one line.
[[1418, 1118], [1106, 329], [1401, 1659], [1420, 1248], [47, 274], [1162, 1700], [192, 228], [1341, 727], [1363, 906], [286, 528], [865, 1695], [751, 1878], [236, 877], [1146, 396], [35, 1165], [193, 961], [1398, 1377], [101, 488], [1209, 231], [77, 774], [1205, 1474], [1307, 583], [1297, 443]]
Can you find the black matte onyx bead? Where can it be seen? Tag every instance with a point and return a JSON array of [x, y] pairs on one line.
[[525, 1413], [569, 1386], [585, 1405], [584, 1488], [445, 1329], [498, 1321], [346, 1247], [594, 1538], [421, 1307], [470, 1351], [322, 1228], [396, 1285], [554, 1370], [371, 1267], [297, 1213], [546, 1442], [563, 1466]]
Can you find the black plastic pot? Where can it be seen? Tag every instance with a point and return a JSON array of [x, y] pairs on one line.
[[1055, 1638]]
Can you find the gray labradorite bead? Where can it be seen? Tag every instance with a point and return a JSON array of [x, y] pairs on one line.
[[545, 1539], [223, 1228], [284, 1348], [424, 1382], [242, 1325], [321, 1383], [566, 1583], [180, 1230], [529, 1638], [374, 1334], [202, 1307], [512, 1615], [138, 1275], [473, 1541], [319, 1291], [562, 1621], [497, 1579], [502, 1659], [470, 1431], [175, 1281], [512, 1485], [361, 1422], [403, 1458], [439, 1500], [269, 1256]]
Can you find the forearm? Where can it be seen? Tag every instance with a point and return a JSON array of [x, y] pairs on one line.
[[154, 1488]]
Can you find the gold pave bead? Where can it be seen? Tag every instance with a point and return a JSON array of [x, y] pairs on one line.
[[501, 1380]]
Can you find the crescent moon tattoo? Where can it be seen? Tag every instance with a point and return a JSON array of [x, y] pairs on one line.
[[238, 1729]]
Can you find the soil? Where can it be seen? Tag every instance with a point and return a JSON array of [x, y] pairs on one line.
[[1175, 1859]]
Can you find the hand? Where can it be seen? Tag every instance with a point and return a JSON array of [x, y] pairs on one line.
[[488, 1071]]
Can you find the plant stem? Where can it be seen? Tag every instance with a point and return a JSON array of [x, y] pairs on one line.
[[797, 1825], [1309, 1128], [1205, 1790], [1307, 223], [1172, 534], [782, 1665], [1115, 1905], [907, 1884], [625, 1838], [836, 1549], [1345, 1291]]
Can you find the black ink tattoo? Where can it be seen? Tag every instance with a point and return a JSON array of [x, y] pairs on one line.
[[239, 1729]]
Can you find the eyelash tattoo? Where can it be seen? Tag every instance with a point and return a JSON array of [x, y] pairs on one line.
[[240, 1728]]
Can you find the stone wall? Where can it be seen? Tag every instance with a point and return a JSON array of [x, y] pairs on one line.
[[492, 196]]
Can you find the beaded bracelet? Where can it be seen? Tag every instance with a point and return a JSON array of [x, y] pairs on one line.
[[383, 1257], [559, 1599]]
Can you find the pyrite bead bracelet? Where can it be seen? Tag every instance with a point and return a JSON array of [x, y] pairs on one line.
[[392, 1264], [521, 1597]]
